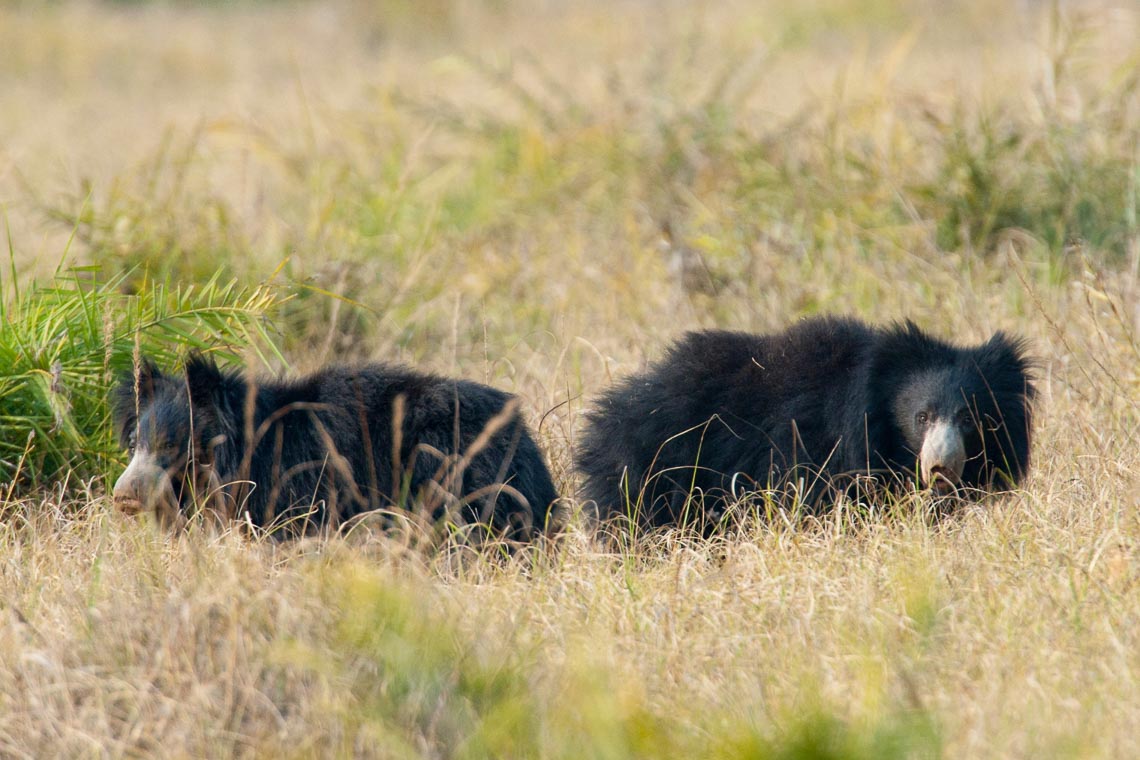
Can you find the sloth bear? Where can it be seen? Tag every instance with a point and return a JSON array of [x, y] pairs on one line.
[[826, 407], [312, 452]]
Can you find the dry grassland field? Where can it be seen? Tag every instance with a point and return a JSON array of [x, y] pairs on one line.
[[542, 196]]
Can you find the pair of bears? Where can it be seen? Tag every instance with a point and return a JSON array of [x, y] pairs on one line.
[[826, 407]]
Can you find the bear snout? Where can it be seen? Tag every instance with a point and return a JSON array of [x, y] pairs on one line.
[[943, 457], [143, 487]]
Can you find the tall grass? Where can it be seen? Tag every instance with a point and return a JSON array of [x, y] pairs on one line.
[[542, 196], [422, 196]]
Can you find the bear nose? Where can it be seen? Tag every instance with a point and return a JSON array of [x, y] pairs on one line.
[[942, 481]]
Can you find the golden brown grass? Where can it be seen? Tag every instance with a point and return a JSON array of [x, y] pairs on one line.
[[540, 199]]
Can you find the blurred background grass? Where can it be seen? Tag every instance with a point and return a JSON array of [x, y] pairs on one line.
[[540, 195]]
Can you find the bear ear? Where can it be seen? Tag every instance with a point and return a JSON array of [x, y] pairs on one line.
[[203, 381], [135, 392], [1004, 361], [212, 392]]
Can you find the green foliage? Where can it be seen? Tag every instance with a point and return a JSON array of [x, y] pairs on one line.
[[63, 344], [1061, 183], [819, 735]]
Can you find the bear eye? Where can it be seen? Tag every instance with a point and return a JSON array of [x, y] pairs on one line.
[[921, 418], [132, 440]]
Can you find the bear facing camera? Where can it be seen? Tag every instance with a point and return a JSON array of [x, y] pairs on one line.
[[828, 407], [304, 454]]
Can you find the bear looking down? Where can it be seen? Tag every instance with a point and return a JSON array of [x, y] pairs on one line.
[[317, 450], [809, 413]]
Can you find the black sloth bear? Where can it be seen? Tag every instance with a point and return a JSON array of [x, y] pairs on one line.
[[823, 408], [312, 452]]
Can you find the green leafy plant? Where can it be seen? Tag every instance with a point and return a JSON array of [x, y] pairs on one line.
[[63, 343]]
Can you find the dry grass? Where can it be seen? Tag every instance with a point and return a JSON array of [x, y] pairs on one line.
[[541, 199]]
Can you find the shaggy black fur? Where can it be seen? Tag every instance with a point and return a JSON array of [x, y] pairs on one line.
[[809, 411], [327, 446]]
